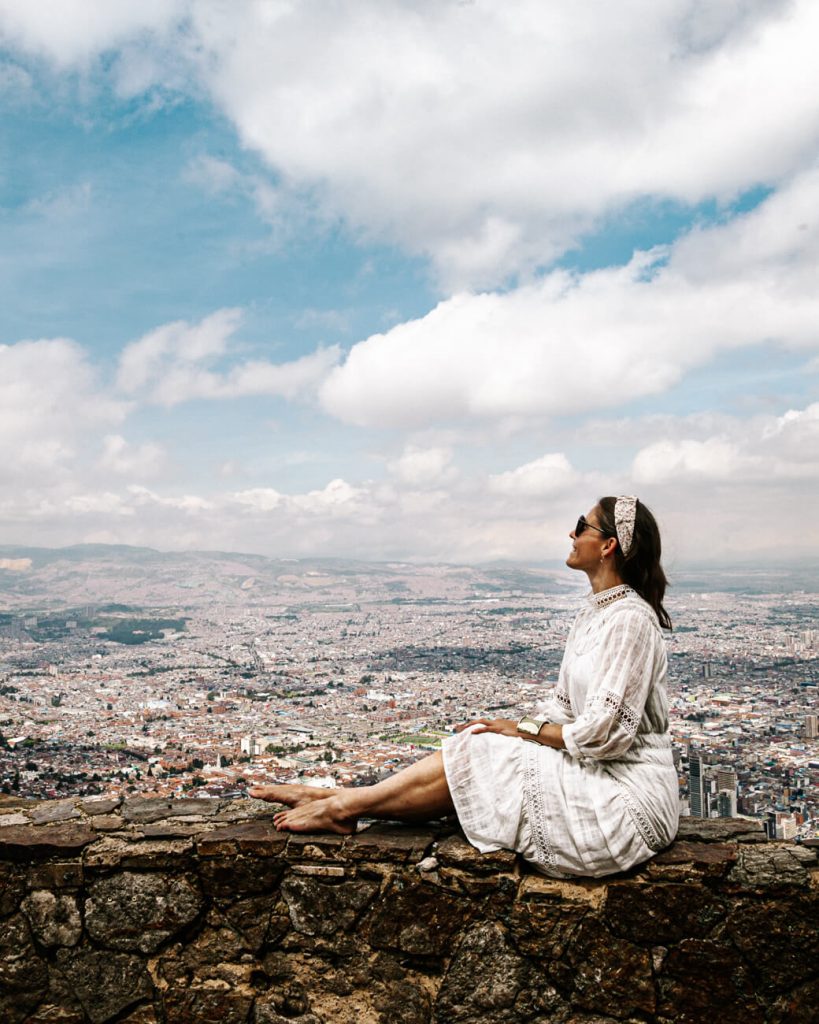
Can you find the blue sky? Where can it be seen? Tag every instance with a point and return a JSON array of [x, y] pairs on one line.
[[408, 280]]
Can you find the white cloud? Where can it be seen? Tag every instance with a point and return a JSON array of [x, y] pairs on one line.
[[422, 467], [486, 136], [714, 459], [548, 475], [764, 450], [50, 400], [500, 117], [190, 504], [575, 343], [142, 460], [76, 31], [105, 504], [259, 499], [173, 364]]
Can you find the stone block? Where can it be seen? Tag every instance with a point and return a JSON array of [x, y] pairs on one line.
[[226, 878], [99, 805], [252, 837], [707, 980], [779, 940], [720, 830], [719, 856], [54, 919], [105, 983], [485, 976], [661, 914], [12, 888], [320, 870], [107, 823], [767, 869], [543, 930], [538, 888], [388, 843], [320, 908], [59, 875], [251, 918], [314, 847], [608, 975], [133, 911], [157, 854], [419, 919], [29, 842], [147, 809], [53, 810], [23, 975], [455, 851], [207, 1004], [13, 818]]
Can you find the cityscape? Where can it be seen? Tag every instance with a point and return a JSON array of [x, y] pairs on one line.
[[126, 671]]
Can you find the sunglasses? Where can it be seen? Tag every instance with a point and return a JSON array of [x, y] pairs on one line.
[[583, 524]]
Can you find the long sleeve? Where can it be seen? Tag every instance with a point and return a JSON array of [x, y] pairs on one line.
[[557, 707], [629, 656]]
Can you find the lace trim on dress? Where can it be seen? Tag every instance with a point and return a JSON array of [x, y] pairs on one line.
[[640, 819], [562, 699], [619, 710], [534, 789], [606, 597]]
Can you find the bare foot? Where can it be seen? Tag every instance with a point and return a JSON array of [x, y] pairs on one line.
[[316, 816], [291, 794]]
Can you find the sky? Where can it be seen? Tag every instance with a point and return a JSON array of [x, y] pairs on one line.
[[409, 280]]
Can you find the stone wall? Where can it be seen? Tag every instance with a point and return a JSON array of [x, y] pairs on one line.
[[163, 912]]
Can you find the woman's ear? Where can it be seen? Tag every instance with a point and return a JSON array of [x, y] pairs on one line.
[[609, 547]]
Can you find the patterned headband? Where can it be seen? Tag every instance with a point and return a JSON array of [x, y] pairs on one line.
[[625, 509]]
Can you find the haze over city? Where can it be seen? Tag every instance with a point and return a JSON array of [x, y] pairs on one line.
[[414, 281]]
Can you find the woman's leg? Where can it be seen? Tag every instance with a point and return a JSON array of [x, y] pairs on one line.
[[417, 793]]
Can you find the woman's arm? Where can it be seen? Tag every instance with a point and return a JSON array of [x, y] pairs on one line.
[[631, 657], [550, 734]]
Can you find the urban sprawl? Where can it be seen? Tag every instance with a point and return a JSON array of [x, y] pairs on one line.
[[206, 677]]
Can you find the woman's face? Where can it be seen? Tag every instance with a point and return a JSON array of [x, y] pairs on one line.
[[587, 546]]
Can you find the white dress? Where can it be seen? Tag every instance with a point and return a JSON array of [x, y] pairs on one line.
[[610, 799]]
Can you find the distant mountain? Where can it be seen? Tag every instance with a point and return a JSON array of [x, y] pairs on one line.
[[97, 574], [139, 577]]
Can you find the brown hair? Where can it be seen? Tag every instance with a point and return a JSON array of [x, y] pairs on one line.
[[640, 568]]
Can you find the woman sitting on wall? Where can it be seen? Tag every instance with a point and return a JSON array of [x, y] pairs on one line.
[[585, 784]]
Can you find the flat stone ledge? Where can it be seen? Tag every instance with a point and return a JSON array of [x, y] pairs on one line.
[[32, 829]]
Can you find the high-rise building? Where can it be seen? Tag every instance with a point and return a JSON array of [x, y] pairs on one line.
[[726, 785], [811, 727], [696, 788], [786, 827], [726, 778]]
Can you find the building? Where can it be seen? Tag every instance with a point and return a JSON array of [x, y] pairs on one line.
[[696, 788]]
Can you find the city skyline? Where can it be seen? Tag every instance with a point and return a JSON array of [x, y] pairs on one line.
[[409, 281]]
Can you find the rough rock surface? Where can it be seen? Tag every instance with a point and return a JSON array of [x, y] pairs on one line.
[[198, 911]]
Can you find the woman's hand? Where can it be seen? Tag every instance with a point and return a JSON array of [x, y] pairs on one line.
[[502, 726]]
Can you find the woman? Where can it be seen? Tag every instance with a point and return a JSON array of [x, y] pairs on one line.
[[586, 784]]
